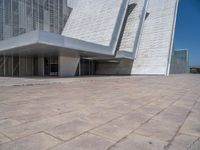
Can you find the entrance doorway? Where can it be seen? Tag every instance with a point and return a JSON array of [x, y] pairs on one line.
[[51, 66], [87, 67]]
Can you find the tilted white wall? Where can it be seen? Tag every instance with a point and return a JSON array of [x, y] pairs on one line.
[[129, 39], [156, 39], [93, 21]]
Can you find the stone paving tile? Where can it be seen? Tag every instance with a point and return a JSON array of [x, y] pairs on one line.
[[194, 115], [38, 141], [173, 115], [23, 118], [11, 114], [151, 109], [29, 128], [186, 103], [191, 127], [112, 131], [3, 138], [121, 127], [138, 142], [70, 116], [183, 142], [192, 123], [121, 109], [86, 141], [70, 130], [158, 129], [6, 123], [101, 117], [162, 110]]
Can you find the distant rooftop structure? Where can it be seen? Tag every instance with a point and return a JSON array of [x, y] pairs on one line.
[[179, 61], [195, 69]]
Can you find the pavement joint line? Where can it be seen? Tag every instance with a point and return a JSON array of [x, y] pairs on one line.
[[22, 137], [32, 135], [6, 137], [30, 85], [176, 133], [170, 93], [61, 140], [197, 140], [88, 131], [170, 142], [189, 134], [24, 123], [70, 139], [102, 136], [109, 148]]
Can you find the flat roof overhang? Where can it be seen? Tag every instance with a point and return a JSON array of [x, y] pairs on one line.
[[45, 43]]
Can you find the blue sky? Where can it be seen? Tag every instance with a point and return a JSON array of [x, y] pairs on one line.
[[188, 29]]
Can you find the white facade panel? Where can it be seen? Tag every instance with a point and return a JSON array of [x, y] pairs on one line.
[[133, 25], [137, 33], [153, 54], [93, 21]]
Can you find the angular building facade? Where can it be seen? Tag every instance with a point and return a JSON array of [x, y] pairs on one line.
[[180, 61], [86, 37]]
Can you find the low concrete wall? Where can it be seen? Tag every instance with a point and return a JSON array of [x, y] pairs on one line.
[[123, 67], [68, 66]]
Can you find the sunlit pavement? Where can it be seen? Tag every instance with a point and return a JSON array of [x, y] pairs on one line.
[[99, 113]]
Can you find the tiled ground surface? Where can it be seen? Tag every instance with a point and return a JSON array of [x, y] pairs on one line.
[[114, 113]]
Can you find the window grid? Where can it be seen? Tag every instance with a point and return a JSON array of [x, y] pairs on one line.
[[21, 16]]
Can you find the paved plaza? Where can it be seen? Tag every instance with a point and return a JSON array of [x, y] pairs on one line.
[[100, 113]]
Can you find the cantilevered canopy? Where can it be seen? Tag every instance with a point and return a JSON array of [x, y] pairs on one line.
[[40, 42]]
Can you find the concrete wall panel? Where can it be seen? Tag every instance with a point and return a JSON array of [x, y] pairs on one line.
[[123, 67], [153, 54], [133, 26], [41, 66], [93, 21], [68, 66]]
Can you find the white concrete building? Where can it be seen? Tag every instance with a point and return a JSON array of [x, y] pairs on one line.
[[86, 37]]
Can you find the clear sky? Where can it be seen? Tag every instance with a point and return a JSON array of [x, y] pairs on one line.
[[188, 29]]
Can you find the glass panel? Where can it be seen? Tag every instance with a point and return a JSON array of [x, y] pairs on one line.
[[21, 16], [1, 20], [22, 66], [35, 66], [51, 66], [8, 66], [15, 65], [29, 66], [1, 65]]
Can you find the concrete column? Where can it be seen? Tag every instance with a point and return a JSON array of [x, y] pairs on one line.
[[41, 66], [22, 64], [4, 64], [79, 67], [68, 66], [19, 67], [12, 67]]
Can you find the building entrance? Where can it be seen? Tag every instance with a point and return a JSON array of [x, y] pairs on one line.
[[87, 67], [51, 66]]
